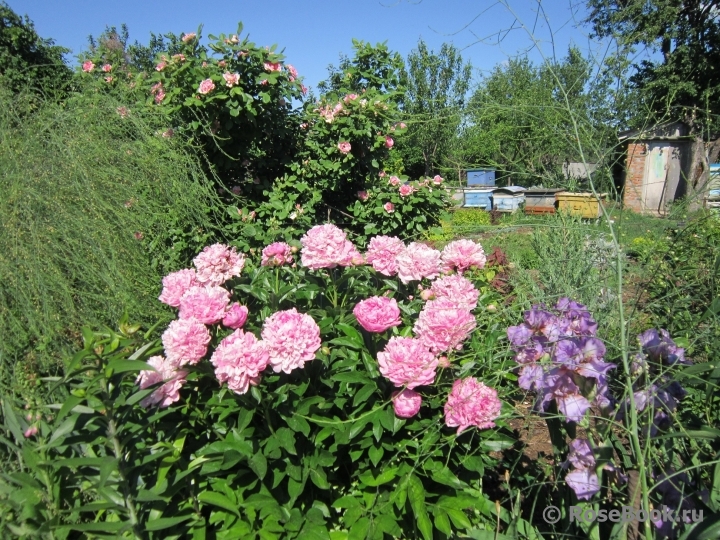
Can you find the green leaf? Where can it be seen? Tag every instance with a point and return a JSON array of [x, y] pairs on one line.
[[442, 522], [164, 523], [298, 424], [286, 437], [383, 478], [319, 478], [347, 502], [258, 463], [219, 500], [376, 455], [445, 476], [122, 366], [346, 342], [364, 393], [416, 495], [360, 529]]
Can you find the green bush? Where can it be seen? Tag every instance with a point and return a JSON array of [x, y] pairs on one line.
[[96, 207], [467, 220]]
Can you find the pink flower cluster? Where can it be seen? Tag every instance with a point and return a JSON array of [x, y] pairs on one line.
[[277, 254], [327, 246], [272, 66], [239, 359], [418, 261], [292, 72], [378, 313], [443, 325], [382, 253], [471, 403], [291, 339], [166, 372], [231, 79], [218, 263], [88, 66], [344, 147], [461, 255], [407, 362], [406, 190]]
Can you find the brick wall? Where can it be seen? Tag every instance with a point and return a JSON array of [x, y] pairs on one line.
[[634, 174]]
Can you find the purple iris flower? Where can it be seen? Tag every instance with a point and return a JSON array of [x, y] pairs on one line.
[[584, 482]]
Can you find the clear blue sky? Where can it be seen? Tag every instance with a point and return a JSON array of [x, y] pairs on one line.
[[314, 32]]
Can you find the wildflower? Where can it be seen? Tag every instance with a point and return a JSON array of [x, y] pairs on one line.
[[471, 403], [206, 86], [406, 362], [109, 80], [122, 111], [377, 314], [406, 403], [291, 338], [31, 432]]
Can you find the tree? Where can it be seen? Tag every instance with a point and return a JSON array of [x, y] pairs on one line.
[[437, 85], [682, 80], [27, 60]]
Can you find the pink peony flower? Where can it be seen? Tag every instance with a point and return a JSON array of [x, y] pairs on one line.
[[406, 403], [457, 289], [437, 179], [405, 190], [239, 359], [407, 362], [363, 195], [326, 246], [88, 66], [218, 263], [165, 372], [185, 341], [471, 403], [418, 261], [291, 338], [377, 314], [462, 255], [394, 181], [188, 37], [235, 316], [389, 142], [107, 68], [443, 325], [31, 432], [389, 207], [162, 65], [277, 254], [175, 285], [272, 66], [206, 86], [344, 147], [207, 304], [382, 253], [231, 79]]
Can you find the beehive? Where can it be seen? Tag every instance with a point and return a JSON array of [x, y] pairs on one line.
[[508, 199], [540, 200], [585, 205]]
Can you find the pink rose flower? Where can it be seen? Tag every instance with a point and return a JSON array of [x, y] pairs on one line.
[[239, 359], [277, 254], [109, 79], [218, 263], [389, 142], [326, 246], [107, 68], [206, 86], [88, 66], [178, 57], [377, 314], [161, 66], [407, 362], [166, 372], [207, 304], [292, 72], [457, 289], [382, 253], [437, 179], [418, 261], [394, 181], [264, 82], [291, 339], [350, 97], [175, 285], [462, 255], [389, 207], [443, 325], [363, 195], [188, 37], [235, 316], [344, 147], [402, 125], [406, 403], [185, 341], [405, 190], [231, 79], [272, 66], [304, 89], [471, 403], [222, 63], [382, 174]]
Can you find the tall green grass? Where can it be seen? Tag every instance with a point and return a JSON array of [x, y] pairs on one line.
[[94, 208]]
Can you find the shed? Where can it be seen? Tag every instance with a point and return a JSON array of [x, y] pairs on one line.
[[508, 199], [657, 166]]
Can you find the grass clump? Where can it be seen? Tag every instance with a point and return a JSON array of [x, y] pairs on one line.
[[95, 207]]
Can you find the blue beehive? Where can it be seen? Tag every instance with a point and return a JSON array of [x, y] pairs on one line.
[[481, 177], [714, 183], [478, 198], [508, 199]]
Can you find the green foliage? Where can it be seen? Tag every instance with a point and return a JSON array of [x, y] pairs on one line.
[[467, 219], [96, 209], [27, 61]]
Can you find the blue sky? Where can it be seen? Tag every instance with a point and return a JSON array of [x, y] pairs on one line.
[[314, 32]]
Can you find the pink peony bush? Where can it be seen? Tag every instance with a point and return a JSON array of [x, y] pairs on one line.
[[462, 255], [326, 246], [443, 325], [407, 362], [218, 263], [239, 360]]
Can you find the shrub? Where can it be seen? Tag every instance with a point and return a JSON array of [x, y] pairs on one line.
[[468, 220]]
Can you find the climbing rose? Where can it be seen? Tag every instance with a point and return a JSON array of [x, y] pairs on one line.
[[167, 372], [462, 255], [206, 86], [326, 246], [231, 79], [344, 147], [405, 190], [418, 261], [175, 285], [107, 68], [471, 403], [235, 316], [292, 71], [382, 253], [394, 181], [162, 65], [389, 142], [291, 338], [389, 207], [272, 66], [188, 37], [185, 341], [363, 195], [277, 254], [456, 288], [406, 403], [443, 325], [218, 263], [377, 314], [437, 179], [88, 66], [207, 304], [407, 362], [239, 359]]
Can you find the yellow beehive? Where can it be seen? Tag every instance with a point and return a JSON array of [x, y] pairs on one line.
[[585, 205]]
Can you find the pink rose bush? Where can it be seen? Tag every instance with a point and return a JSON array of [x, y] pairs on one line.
[[377, 314], [405, 190], [206, 86]]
